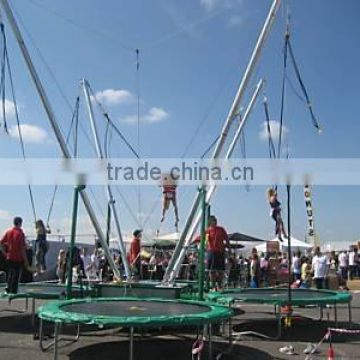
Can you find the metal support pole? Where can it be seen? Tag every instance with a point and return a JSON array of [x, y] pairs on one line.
[[33, 312], [77, 191], [110, 196], [55, 127], [227, 124], [350, 315], [108, 224], [194, 218], [56, 340], [202, 244], [210, 341], [288, 190], [131, 346]]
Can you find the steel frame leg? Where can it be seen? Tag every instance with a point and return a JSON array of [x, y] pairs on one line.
[[350, 315], [33, 304], [210, 341], [56, 335], [335, 315], [131, 347], [57, 328]]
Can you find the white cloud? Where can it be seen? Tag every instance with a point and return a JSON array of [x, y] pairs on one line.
[[114, 97], [4, 215], [235, 20], [210, 5], [274, 129], [30, 133], [9, 108], [154, 115]]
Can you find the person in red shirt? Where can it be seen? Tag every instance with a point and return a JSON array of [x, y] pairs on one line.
[[217, 242], [134, 254], [14, 248]]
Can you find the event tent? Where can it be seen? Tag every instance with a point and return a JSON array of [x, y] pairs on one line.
[[295, 244]]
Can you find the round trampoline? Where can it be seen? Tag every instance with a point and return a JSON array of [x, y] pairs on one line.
[[45, 291], [132, 313], [279, 297]]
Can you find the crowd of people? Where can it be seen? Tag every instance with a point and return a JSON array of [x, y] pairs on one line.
[[224, 267]]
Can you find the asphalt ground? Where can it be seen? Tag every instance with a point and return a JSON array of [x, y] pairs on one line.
[[17, 340]]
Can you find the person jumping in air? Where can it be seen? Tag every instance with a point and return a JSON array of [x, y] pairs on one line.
[[169, 196], [275, 213]]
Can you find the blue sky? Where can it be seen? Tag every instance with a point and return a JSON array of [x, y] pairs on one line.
[[192, 56]]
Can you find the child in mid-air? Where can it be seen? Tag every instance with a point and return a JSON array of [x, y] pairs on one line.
[[275, 213], [169, 196]]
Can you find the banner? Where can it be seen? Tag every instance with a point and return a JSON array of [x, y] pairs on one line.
[[309, 211]]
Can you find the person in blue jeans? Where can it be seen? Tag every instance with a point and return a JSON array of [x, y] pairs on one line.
[[41, 245]]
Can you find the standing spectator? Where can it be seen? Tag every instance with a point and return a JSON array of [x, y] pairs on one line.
[[61, 266], [233, 271], [254, 271], [14, 247], [217, 242], [41, 245], [134, 254], [86, 259], [306, 273], [344, 264], [92, 269], [296, 266], [353, 262], [319, 268], [264, 270]]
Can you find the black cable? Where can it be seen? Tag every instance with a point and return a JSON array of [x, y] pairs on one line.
[[52, 75], [74, 119], [3, 79], [83, 27], [283, 88], [208, 149], [7, 60], [138, 128], [303, 88], [272, 151], [115, 128]]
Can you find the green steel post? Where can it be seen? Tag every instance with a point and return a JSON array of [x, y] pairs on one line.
[[202, 243], [77, 191], [108, 224]]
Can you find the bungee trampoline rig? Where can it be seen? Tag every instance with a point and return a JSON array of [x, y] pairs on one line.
[[278, 297]]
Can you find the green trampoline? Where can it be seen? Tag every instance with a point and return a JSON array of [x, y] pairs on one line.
[[278, 297], [45, 291], [132, 313], [143, 289]]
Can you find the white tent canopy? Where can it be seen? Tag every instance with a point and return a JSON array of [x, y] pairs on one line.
[[167, 239], [295, 245]]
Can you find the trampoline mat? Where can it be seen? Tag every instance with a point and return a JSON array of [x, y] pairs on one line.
[[55, 290], [280, 296], [283, 294], [130, 308]]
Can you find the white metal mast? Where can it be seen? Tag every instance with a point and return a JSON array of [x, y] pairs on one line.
[[54, 124], [85, 86], [227, 124], [212, 188]]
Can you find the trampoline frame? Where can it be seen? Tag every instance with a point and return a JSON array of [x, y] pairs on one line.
[[233, 297], [33, 295], [218, 314]]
